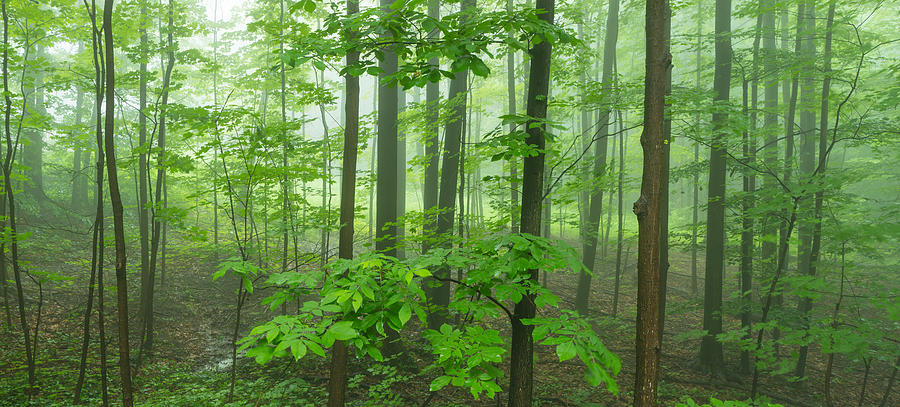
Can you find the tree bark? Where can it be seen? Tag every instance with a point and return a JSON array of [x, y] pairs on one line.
[[11, 215], [116, 200], [807, 226], [589, 247], [522, 348], [449, 178], [337, 384], [647, 207], [431, 139], [710, 349]]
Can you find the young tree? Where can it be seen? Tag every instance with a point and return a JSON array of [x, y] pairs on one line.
[[522, 348], [589, 248], [711, 357], [118, 212], [11, 214], [337, 384]]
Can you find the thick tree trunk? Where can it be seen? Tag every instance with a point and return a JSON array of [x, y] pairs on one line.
[[647, 207], [710, 349], [522, 351], [118, 213]]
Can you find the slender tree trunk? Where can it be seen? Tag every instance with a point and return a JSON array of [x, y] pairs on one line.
[[337, 384], [118, 215], [285, 147], [32, 149], [449, 178], [664, 187], [143, 179], [696, 203], [648, 206], [386, 206], [769, 228], [589, 248], [710, 349], [401, 180], [750, 98], [522, 347], [621, 225], [811, 230], [11, 215], [511, 110], [7, 111], [431, 140]]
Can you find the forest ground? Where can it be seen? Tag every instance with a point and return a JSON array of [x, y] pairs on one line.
[[190, 366]]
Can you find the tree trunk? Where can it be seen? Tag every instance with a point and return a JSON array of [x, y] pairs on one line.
[[808, 137], [647, 207], [710, 349], [146, 300], [664, 188], [621, 232], [11, 215], [337, 384], [118, 215], [522, 344], [32, 149], [511, 110], [431, 140], [589, 247], [449, 178], [386, 205], [769, 228], [749, 189], [401, 180]]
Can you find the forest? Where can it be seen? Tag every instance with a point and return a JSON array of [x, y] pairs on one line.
[[691, 203]]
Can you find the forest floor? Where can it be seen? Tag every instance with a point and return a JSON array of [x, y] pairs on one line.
[[195, 318]]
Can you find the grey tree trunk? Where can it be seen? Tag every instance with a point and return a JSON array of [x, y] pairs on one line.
[[449, 178], [589, 246], [710, 349]]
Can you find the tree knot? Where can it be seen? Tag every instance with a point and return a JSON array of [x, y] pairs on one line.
[[640, 206]]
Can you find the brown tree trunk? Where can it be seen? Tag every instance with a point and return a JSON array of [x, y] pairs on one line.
[[647, 207], [118, 214], [522, 352], [337, 384]]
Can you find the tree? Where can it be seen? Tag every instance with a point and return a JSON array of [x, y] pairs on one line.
[[386, 204], [711, 349], [647, 207], [449, 181], [589, 248], [146, 311], [431, 140], [522, 346], [117, 208], [11, 214], [337, 384]]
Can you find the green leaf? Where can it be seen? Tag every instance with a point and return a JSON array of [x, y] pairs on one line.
[[298, 349], [248, 285], [439, 383], [565, 351], [404, 314], [315, 348], [343, 330], [319, 64]]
